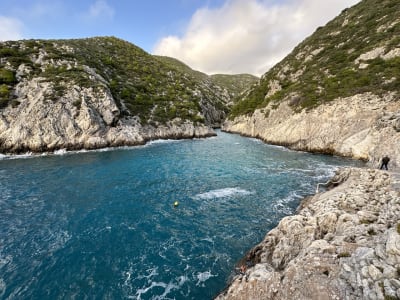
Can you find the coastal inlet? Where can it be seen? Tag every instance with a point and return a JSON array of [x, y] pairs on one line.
[[103, 224]]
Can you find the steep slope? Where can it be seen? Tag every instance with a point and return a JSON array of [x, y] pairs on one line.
[[96, 92], [234, 85], [337, 92], [237, 83]]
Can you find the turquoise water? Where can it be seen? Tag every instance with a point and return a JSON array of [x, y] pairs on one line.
[[102, 225]]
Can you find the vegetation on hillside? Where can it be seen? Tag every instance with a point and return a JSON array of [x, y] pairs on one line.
[[234, 84], [329, 64], [237, 83], [141, 84]]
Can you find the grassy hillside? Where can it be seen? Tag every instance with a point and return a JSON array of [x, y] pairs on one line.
[[142, 85], [234, 84], [358, 51], [182, 67]]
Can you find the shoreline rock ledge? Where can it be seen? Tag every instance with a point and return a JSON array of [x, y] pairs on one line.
[[343, 243]]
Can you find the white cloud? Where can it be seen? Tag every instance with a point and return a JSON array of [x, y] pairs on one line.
[[248, 36], [100, 9], [10, 29]]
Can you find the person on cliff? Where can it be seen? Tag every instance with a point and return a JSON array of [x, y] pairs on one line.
[[385, 161]]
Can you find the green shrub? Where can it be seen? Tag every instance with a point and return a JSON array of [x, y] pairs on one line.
[[3, 102], [8, 52], [77, 103], [7, 76], [4, 95], [388, 297], [15, 103], [344, 254], [365, 221]]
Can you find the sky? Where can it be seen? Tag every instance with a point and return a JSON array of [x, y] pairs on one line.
[[212, 36]]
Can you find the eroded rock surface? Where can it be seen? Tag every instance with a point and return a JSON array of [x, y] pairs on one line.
[[343, 244], [83, 118], [364, 126]]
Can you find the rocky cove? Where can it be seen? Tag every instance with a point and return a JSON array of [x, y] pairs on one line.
[[336, 93], [69, 94], [343, 243]]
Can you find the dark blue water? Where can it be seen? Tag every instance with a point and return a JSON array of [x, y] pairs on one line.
[[101, 225]]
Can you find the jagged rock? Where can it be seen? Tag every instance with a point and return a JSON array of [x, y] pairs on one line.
[[39, 125], [299, 261], [351, 126]]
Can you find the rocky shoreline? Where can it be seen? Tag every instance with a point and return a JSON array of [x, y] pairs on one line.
[[343, 243], [37, 126], [363, 126], [102, 142], [123, 136]]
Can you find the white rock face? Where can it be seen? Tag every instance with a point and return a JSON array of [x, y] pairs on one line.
[[82, 118], [342, 244], [364, 126]]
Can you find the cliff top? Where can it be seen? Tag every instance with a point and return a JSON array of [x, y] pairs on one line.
[[143, 86]]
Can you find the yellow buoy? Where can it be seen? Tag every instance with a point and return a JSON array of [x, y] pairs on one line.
[[176, 203]]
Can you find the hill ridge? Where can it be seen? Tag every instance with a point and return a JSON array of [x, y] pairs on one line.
[[98, 84]]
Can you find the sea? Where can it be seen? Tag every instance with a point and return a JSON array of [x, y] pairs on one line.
[[168, 220]]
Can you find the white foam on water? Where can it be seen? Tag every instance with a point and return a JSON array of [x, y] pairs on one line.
[[168, 287], [208, 239], [26, 155], [144, 290], [166, 141], [105, 149], [17, 156], [222, 193], [128, 276], [258, 141], [282, 205], [203, 276], [65, 151], [60, 152], [153, 272]]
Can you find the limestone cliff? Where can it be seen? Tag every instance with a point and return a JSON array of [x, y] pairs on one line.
[[342, 244], [97, 92], [363, 126], [39, 124], [337, 92]]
